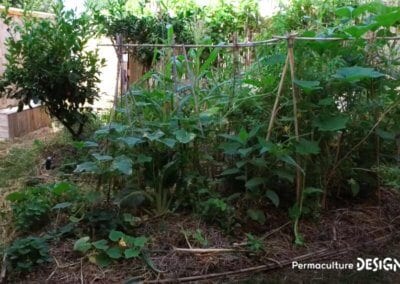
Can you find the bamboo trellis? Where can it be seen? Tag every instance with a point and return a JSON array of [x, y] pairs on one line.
[[289, 64]]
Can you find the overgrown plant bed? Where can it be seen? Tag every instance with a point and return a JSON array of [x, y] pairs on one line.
[[184, 248]]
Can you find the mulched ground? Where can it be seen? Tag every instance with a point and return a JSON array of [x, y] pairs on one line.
[[342, 233]]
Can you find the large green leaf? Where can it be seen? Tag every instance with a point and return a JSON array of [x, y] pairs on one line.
[[130, 141], [245, 152], [210, 60], [345, 12], [131, 252], [154, 136], [388, 19], [307, 147], [169, 142], [231, 171], [354, 186], [358, 31], [374, 7], [331, 123], [15, 196], [284, 174], [385, 135], [308, 86], [141, 159], [257, 215], [115, 235], [102, 260], [312, 190], [82, 245], [140, 241], [61, 187], [122, 164], [254, 182], [89, 167], [273, 197], [243, 136], [101, 245], [183, 136], [114, 252], [356, 73], [230, 148], [102, 158], [290, 161], [62, 205]]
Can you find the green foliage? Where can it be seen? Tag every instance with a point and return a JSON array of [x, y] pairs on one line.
[[32, 206], [197, 236], [27, 253], [48, 63], [218, 211], [102, 252], [255, 244], [390, 175], [194, 132]]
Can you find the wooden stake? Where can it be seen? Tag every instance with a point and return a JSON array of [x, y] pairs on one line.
[[276, 103], [299, 175]]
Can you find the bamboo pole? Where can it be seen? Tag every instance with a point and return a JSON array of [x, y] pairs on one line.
[[274, 111], [299, 175], [222, 45], [272, 41], [118, 50]]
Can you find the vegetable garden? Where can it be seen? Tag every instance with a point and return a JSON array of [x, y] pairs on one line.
[[237, 152]]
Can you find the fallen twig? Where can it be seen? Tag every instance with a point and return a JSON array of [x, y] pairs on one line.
[[3, 269], [205, 250]]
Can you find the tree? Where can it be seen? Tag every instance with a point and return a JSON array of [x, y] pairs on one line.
[[48, 63]]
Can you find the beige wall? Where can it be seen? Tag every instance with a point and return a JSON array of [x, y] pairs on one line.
[[108, 74]]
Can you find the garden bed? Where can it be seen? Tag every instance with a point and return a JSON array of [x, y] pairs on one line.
[[342, 235]]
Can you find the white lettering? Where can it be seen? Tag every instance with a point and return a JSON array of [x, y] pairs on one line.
[[360, 264]]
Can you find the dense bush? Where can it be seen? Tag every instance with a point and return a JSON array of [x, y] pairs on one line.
[[47, 62], [26, 253]]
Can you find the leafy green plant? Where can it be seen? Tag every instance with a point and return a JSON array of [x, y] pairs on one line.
[[32, 206], [47, 63], [390, 175], [27, 253], [102, 252], [219, 211], [254, 244], [199, 239]]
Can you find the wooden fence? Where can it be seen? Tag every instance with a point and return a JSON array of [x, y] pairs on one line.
[[15, 124]]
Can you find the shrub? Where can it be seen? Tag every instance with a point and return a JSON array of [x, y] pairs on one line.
[[30, 208], [24, 254], [48, 63]]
